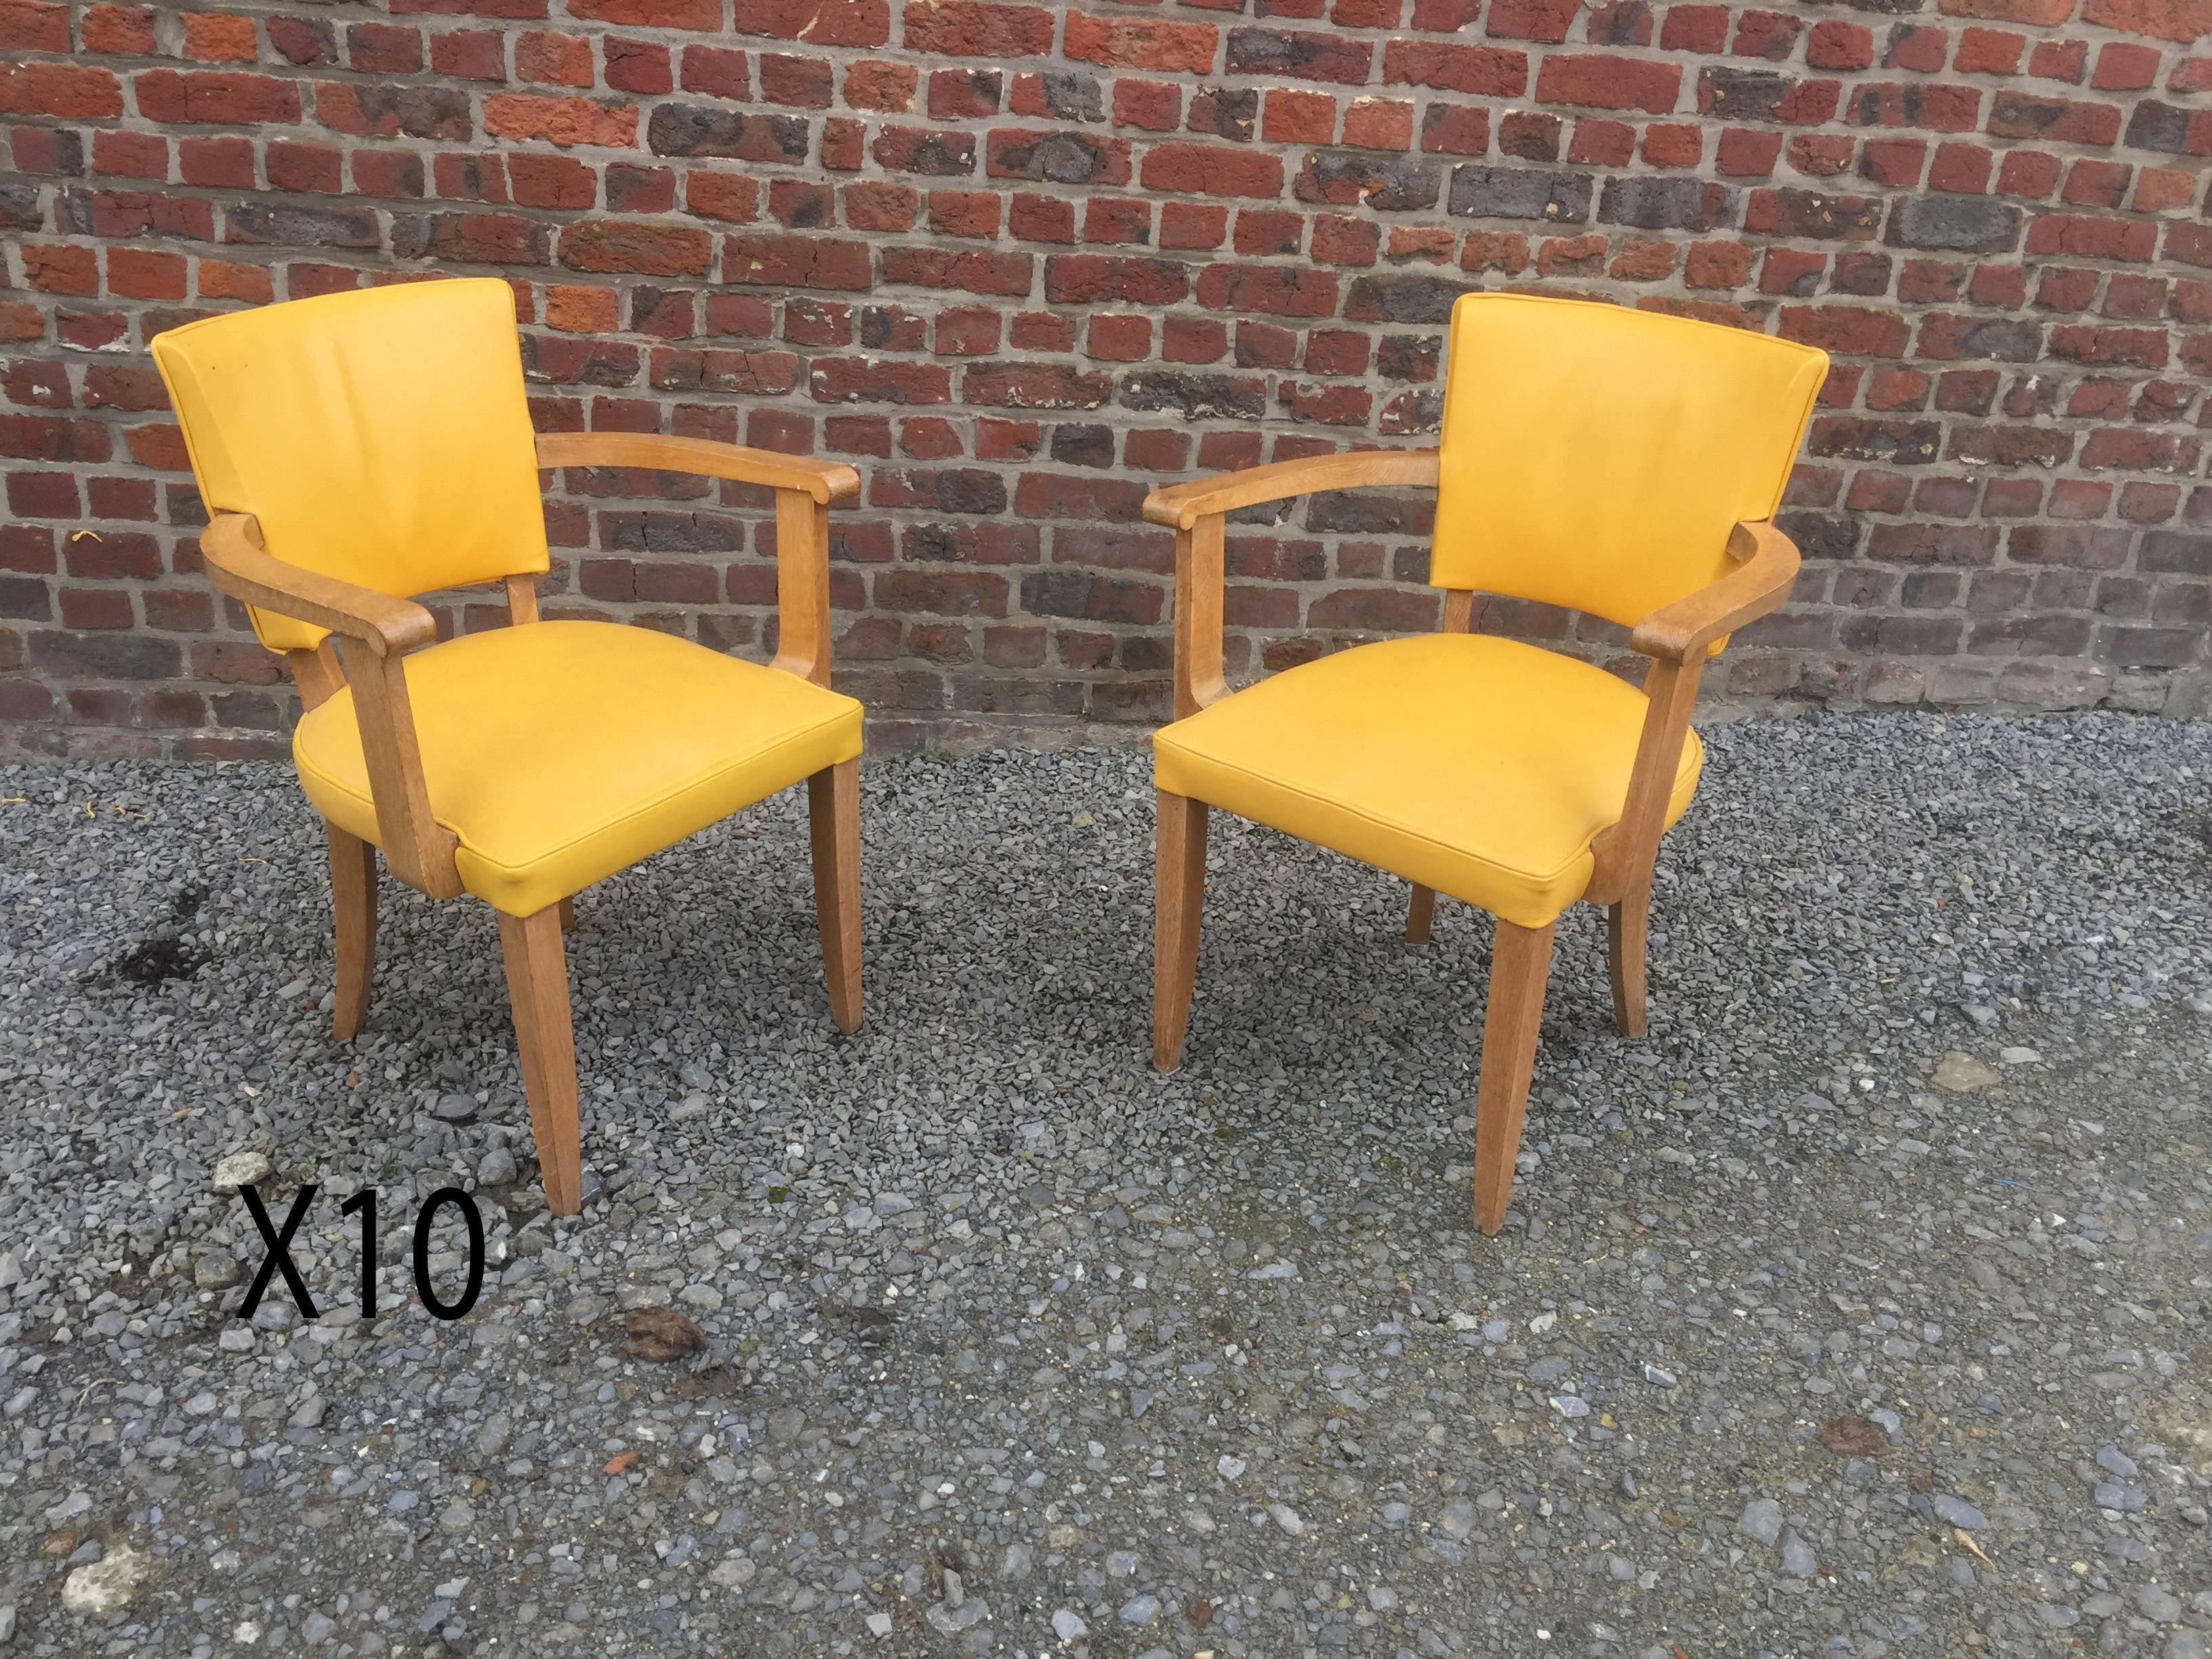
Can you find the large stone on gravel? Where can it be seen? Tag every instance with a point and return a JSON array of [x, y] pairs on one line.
[[106, 1584], [1962, 1073], [240, 1169]]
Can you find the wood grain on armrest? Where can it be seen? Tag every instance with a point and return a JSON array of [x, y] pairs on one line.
[[374, 631], [1181, 506], [238, 563], [705, 458]]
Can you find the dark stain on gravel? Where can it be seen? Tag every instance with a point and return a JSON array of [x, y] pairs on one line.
[[162, 955]]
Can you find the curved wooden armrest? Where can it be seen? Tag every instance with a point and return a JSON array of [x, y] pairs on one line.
[[374, 631], [1766, 571], [1179, 506], [242, 567], [1194, 512], [705, 458], [803, 488]]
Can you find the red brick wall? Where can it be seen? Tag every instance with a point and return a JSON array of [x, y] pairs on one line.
[[1023, 262]]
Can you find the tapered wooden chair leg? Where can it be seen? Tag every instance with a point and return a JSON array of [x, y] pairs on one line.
[[1420, 910], [538, 990], [1520, 963], [1627, 942], [568, 914], [353, 904], [833, 807], [1178, 902]]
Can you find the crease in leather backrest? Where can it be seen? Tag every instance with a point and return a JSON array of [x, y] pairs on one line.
[[380, 436], [1596, 458]]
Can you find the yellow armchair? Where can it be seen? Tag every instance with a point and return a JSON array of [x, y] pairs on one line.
[[1616, 462], [356, 449]]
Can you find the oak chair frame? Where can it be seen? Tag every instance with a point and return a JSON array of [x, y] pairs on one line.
[[1678, 638], [373, 634]]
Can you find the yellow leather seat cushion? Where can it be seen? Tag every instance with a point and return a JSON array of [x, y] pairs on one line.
[[1479, 767], [561, 752]]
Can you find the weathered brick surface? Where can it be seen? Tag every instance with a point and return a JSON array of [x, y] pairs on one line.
[[1021, 260]]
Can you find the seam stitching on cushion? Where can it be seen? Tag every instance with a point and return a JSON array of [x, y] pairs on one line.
[[698, 782], [1411, 834]]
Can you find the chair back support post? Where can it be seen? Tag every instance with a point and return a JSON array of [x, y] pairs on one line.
[[522, 599], [417, 849], [315, 670], [802, 586], [1624, 851], [1198, 679]]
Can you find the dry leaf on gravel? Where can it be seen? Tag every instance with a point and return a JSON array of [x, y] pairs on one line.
[[1853, 1436], [658, 1335]]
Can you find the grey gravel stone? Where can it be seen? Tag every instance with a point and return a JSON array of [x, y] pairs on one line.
[[1956, 1511], [1762, 1520], [1798, 1559]]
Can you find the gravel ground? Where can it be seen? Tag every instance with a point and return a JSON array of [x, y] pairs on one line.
[[1860, 1308]]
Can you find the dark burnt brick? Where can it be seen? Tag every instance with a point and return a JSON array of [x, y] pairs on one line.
[[1060, 158], [1490, 193], [2175, 553], [1072, 95], [1954, 224], [956, 489], [1224, 112], [1743, 94], [1662, 203], [1904, 443], [19, 209], [1087, 499], [2165, 129], [1404, 298], [105, 656], [1382, 183], [1369, 512], [1082, 445], [2152, 647], [1409, 356], [1299, 55], [1078, 593], [1194, 396], [704, 131], [671, 532], [289, 224]]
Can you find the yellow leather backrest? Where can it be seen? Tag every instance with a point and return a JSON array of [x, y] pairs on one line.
[[1595, 457], [380, 436]]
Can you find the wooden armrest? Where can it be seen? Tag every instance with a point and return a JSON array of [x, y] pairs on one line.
[[1194, 512], [374, 631], [1766, 571], [242, 567], [1675, 637], [705, 458], [1179, 506]]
